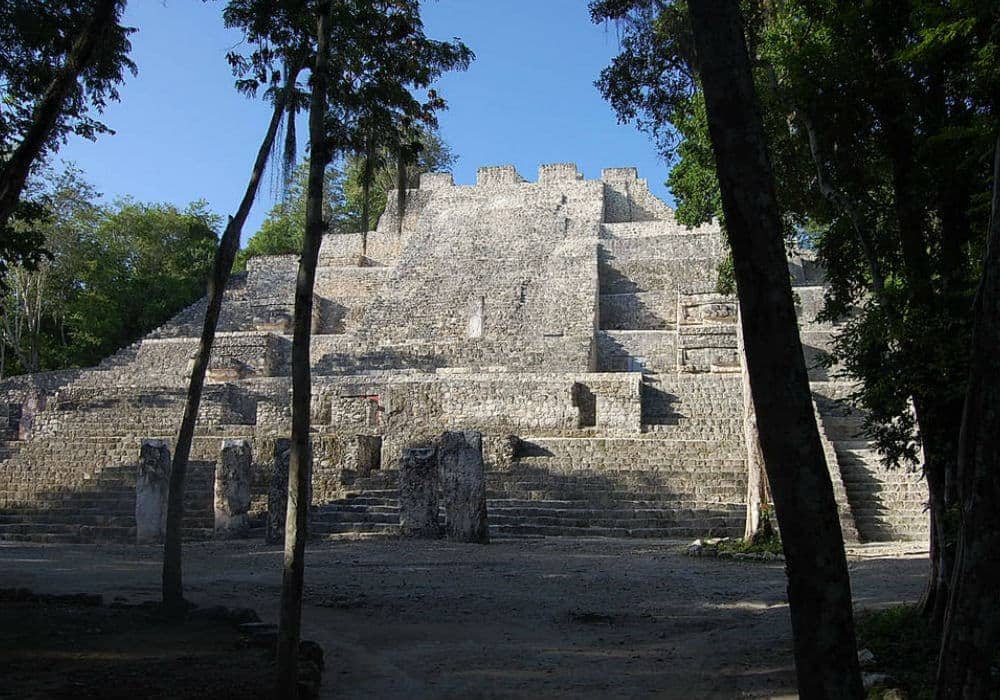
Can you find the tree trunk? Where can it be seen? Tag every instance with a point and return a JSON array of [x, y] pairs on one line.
[[819, 589], [402, 161], [300, 461], [972, 621], [367, 173], [15, 172], [939, 432], [173, 590], [757, 496]]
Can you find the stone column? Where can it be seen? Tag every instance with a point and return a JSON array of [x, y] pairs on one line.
[[463, 481], [152, 482], [232, 489], [277, 494], [418, 502]]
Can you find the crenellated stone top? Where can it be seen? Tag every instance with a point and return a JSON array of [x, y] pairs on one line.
[[548, 173]]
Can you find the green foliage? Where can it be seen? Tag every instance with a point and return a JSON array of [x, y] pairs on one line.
[[692, 179], [281, 232], [142, 264], [904, 648], [374, 115], [880, 118], [764, 541], [383, 62], [115, 273], [725, 282], [37, 37], [741, 546], [433, 155]]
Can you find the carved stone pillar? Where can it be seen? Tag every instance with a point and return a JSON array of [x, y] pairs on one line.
[[152, 483]]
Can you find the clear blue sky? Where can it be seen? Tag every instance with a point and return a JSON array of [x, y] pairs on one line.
[[183, 133]]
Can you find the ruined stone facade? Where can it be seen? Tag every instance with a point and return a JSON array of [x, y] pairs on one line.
[[573, 322]]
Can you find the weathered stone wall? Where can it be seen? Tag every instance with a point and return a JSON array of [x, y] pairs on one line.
[[573, 323], [529, 304], [627, 198]]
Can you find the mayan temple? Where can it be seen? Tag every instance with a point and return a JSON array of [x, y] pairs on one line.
[[573, 322]]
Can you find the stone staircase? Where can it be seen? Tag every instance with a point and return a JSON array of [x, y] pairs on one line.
[[884, 504], [590, 487], [103, 508]]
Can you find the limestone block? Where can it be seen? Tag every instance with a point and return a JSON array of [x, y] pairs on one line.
[[620, 174], [498, 176], [558, 172], [436, 181], [151, 486], [232, 489], [277, 494], [463, 481], [418, 500]]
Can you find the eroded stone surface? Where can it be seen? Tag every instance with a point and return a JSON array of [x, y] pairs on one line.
[[418, 493], [577, 316], [277, 495], [152, 484], [463, 486], [232, 489]]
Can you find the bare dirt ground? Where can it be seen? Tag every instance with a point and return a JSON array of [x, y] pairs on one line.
[[57, 648], [517, 618]]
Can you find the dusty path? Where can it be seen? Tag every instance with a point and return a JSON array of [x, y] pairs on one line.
[[518, 618]]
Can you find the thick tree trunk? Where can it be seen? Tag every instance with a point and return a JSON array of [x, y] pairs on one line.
[[938, 414], [757, 496], [15, 172], [819, 589], [300, 461], [972, 621], [173, 590], [939, 432]]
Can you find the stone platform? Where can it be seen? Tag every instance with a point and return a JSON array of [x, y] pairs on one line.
[[573, 322]]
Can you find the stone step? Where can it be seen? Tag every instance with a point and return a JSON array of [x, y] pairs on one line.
[[320, 529], [341, 507], [667, 532], [332, 516]]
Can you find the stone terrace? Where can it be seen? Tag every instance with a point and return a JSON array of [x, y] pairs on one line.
[[574, 322]]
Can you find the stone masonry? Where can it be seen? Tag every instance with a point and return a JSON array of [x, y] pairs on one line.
[[573, 323]]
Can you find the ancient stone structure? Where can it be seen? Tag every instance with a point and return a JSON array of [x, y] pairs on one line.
[[152, 483], [418, 493], [277, 492], [232, 489], [463, 486], [573, 323]]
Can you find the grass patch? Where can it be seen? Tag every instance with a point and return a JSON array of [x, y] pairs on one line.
[[903, 647], [763, 542], [741, 546]]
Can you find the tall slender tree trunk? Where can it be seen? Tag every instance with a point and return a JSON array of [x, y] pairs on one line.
[[402, 161], [972, 622], [173, 590], [15, 172], [819, 589], [300, 460], [367, 174]]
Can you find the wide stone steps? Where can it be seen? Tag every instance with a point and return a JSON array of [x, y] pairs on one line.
[[885, 504], [659, 532], [548, 518], [615, 487], [98, 508]]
